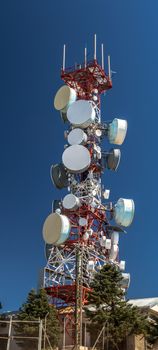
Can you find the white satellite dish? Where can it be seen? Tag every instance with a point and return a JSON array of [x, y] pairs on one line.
[[90, 265], [108, 244], [76, 158], [81, 113], [124, 212], [103, 241], [71, 202], [126, 280], [114, 252], [98, 132], [85, 236], [64, 97], [117, 131], [83, 221], [106, 194], [77, 137], [56, 229], [122, 264], [115, 237]]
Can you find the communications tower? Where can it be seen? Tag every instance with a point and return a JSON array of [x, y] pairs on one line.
[[82, 230]]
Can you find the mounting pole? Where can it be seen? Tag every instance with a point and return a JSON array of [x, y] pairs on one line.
[[102, 56], [64, 52], [64, 333], [77, 304], [40, 335], [81, 296], [95, 47], [9, 333], [85, 334], [85, 57], [109, 68]]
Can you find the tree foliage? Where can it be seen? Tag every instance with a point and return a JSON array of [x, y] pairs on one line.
[[35, 307], [111, 310], [152, 336]]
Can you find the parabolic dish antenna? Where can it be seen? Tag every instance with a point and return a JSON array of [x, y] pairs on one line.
[[98, 132], [81, 113], [122, 265], [56, 229], [115, 228], [115, 237], [55, 205], [77, 137], [117, 131], [126, 280], [124, 212], [76, 158], [108, 244], [113, 159], [71, 202], [83, 221], [59, 176], [64, 97], [114, 252]]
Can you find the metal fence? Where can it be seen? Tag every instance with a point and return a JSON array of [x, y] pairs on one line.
[[13, 339]]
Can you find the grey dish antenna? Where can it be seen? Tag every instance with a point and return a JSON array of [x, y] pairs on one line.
[[111, 228], [59, 176], [113, 159]]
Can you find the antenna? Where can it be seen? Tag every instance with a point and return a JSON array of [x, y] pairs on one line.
[[95, 46], [102, 56], [78, 219], [109, 68], [64, 52], [85, 57]]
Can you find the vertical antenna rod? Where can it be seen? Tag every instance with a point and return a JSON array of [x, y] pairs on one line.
[[102, 56], [95, 47], [85, 57], [64, 52], [109, 68]]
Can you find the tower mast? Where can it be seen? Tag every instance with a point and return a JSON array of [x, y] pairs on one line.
[[80, 233]]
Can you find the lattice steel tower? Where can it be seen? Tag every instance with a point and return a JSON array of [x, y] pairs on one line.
[[82, 231]]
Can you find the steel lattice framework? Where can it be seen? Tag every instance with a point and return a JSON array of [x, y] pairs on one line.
[[71, 266], [86, 79]]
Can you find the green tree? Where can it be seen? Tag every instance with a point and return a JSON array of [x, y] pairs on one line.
[[152, 335], [109, 309], [36, 307]]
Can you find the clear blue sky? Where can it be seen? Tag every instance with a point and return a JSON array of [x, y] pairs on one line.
[[32, 33]]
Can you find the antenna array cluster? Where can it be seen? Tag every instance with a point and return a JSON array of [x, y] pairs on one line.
[[84, 221]]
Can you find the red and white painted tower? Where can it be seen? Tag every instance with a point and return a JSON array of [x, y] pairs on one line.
[[82, 230]]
